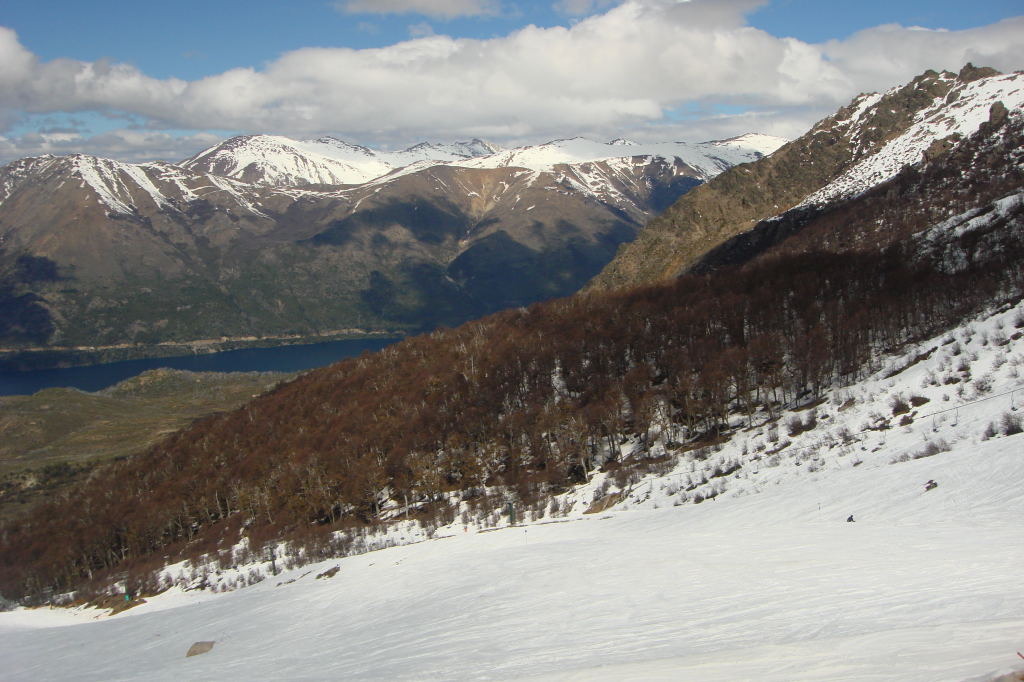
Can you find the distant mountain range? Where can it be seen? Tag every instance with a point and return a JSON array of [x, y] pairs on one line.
[[264, 236]]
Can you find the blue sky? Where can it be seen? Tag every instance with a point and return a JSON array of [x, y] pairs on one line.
[[139, 80]]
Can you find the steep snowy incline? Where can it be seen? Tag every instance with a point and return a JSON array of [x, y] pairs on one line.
[[953, 117]]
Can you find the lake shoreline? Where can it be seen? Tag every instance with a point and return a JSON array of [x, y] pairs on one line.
[[63, 357], [287, 357]]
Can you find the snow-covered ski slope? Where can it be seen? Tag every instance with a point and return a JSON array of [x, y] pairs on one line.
[[763, 580]]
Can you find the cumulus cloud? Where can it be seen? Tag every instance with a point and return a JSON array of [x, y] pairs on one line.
[[897, 53], [626, 69], [443, 9]]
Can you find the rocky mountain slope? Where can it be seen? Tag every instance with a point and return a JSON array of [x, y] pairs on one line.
[[862, 145], [263, 236], [972, 178]]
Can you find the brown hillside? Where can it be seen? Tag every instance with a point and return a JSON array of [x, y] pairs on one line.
[[738, 199]]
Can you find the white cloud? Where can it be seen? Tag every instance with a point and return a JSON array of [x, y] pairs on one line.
[[623, 70], [894, 53], [442, 9]]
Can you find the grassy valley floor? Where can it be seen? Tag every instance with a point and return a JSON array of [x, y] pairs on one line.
[[50, 439]]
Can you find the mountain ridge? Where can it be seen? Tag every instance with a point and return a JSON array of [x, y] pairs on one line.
[[861, 145]]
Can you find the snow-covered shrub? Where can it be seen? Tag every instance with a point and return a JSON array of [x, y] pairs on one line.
[[794, 426], [982, 385], [1011, 424], [932, 448], [899, 405]]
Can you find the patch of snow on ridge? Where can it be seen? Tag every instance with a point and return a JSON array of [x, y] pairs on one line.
[[17, 172], [137, 173], [228, 186], [100, 175], [944, 118]]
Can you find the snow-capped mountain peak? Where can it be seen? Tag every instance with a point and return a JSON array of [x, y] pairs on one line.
[[280, 161], [707, 158], [283, 162]]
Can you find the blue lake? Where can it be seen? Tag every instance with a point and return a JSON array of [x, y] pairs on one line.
[[277, 359]]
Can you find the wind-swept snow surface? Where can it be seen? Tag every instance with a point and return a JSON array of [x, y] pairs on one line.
[[770, 586]]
